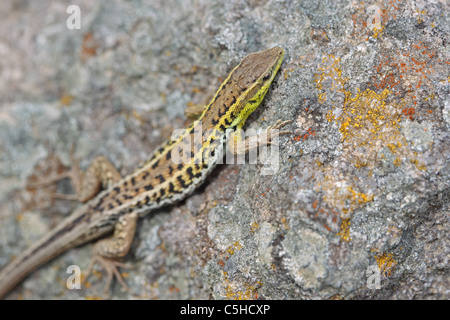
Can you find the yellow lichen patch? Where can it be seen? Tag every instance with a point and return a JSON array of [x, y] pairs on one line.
[[235, 246], [359, 197], [343, 197], [66, 100], [322, 98], [93, 298], [393, 146], [345, 230], [367, 124], [421, 14], [366, 117], [345, 200], [377, 32], [233, 293], [368, 121], [418, 165], [254, 226], [329, 71], [285, 223], [386, 263]]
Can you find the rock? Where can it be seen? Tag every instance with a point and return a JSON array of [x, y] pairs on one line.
[[360, 194]]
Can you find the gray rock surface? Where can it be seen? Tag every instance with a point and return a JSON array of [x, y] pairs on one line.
[[361, 194]]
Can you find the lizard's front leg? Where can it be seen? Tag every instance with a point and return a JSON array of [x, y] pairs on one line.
[[107, 251], [239, 146], [193, 112]]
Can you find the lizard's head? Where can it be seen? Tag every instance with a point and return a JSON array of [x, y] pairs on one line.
[[243, 90], [258, 69], [253, 77]]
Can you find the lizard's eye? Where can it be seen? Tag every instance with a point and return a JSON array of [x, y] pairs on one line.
[[267, 75]]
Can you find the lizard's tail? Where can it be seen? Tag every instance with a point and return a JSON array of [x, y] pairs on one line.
[[24, 264], [71, 232]]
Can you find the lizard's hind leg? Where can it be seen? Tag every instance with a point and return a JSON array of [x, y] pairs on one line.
[[102, 174], [107, 251]]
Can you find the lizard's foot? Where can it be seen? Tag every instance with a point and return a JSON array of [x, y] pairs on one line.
[[107, 251], [74, 174], [111, 267], [100, 174]]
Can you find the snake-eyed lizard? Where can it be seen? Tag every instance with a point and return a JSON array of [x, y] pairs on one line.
[[158, 182]]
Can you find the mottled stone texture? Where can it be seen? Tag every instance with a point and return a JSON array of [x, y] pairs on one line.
[[362, 187]]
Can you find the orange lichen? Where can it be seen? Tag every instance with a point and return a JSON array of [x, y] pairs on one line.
[[327, 217], [303, 137], [409, 112], [386, 263], [408, 72], [89, 47], [174, 289], [363, 19]]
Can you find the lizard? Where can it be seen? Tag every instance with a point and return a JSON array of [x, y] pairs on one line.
[[113, 205]]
